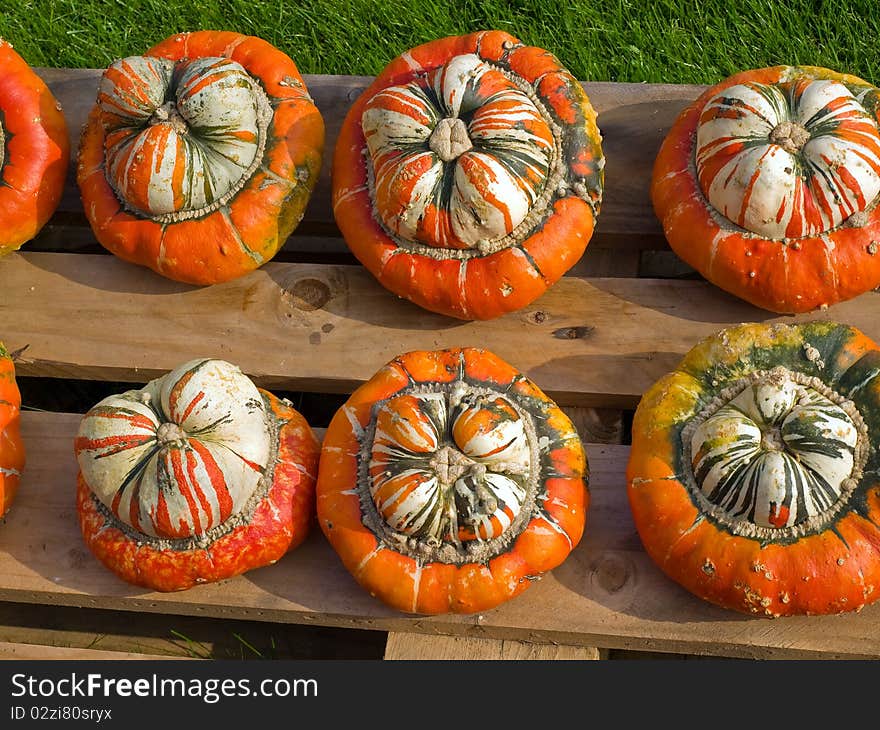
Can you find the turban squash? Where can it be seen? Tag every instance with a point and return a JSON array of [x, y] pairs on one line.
[[11, 445], [468, 176], [34, 151], [197, 477], [753, 470], [199, 157], [449, 481], [768, 183]]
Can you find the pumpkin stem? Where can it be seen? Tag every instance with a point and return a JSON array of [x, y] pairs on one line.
[[449, 464], [450, 139], [771, 439], [791, 136], [169, 434], [168, 114]]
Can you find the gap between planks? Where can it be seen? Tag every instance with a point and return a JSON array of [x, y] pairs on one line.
[[159, 635]]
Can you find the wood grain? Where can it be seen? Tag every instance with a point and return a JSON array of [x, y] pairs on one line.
[[588, 342], [633, 118], [10, 650], [607, 594], [403, 646]]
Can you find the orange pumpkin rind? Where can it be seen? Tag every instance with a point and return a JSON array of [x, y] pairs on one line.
[[220, 241], [12, 451], [429, 575], [34, 151], [481, 282], [829, 561], [787, 275]]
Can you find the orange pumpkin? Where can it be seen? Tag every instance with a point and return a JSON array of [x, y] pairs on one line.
[[753, 470], [767, 186], [199, 157], [195, 478], [468, 176], [11, 444], [449, 481], [34, 151]]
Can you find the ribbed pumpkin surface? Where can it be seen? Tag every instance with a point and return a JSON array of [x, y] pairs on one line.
[[767, 185], [199, 157], [449, 481], [12, 450], [34, 151], [195, 478], [468, 176], [752, 473]]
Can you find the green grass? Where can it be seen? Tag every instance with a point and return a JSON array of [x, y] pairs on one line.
[[627, 40]]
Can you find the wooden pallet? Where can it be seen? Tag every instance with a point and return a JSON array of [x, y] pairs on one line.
[[313, 320]]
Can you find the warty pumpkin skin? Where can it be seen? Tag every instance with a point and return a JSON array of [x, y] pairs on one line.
[[768, 183], [449, 481], [753, 470], [12, 454], [34, 151], [468, 176], [199, 157], [198, 477]]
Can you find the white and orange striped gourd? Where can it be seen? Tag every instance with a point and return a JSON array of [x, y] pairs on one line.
[[768, 185], [468, 176], [788, 160], [181, 136], [449, 481], [449, 468], [753, 469], [190, 470], [459, 159], [199, 157]]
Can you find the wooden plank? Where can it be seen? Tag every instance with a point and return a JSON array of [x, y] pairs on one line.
[[607, 594], [40, 652], [328, 328], [402, 646], [162, 635], [633, 118]]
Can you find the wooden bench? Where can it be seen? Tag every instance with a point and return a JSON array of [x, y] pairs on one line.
[[314, 321]]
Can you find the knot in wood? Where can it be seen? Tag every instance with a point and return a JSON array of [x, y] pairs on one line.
[[791, 136], [450, 139], [611, 572], [309, 294]]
